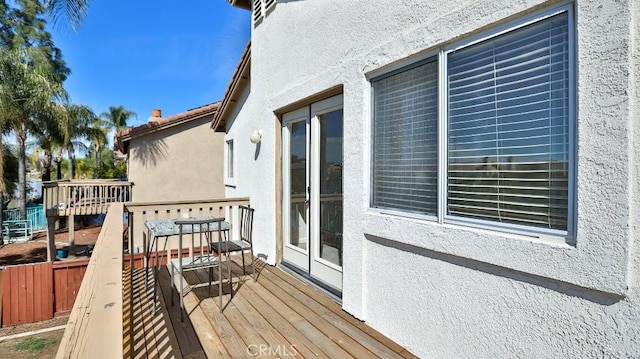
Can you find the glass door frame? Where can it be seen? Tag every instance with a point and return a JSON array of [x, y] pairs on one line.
[[292, 253], [324, 270], [308, 260]]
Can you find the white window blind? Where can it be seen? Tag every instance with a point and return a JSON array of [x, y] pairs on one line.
[[508, 127], [405, 145]]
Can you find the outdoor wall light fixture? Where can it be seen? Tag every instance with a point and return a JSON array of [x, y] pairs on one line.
[[256, 137]]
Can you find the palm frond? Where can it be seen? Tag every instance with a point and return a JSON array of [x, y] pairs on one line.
[[71, 12]]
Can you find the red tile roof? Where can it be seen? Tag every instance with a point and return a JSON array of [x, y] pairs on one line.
[[124, 136]]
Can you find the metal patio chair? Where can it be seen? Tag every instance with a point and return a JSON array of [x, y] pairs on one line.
[[201, 233], [245, 243]]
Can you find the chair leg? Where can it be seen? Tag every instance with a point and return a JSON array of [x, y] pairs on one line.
[[230, 279], [220, 283], [253, 265], [171, 284], [210, 278], [244, 271], [181, 295]]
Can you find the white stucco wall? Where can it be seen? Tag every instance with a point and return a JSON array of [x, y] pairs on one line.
[[445, 290], [254, 175]]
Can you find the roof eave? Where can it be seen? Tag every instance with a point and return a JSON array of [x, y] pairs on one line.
[[124, 137], [234, 90], [242, 4]]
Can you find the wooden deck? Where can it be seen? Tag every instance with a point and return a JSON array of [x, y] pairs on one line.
[[278, 316]]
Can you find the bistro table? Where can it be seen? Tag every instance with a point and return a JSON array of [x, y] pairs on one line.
[[163, 229]]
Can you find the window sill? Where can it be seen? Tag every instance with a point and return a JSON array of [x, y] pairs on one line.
[[590, 265]]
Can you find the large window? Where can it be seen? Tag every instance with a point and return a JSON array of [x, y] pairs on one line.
[[505, 156]]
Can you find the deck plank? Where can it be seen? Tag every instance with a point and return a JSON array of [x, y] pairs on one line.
[[277, 316], [285, 327], [270, 335], [346, 327], [330, 304], [236, 343], [303, 326], [194, 333], [153, 336], [254, 304], [300, 304]]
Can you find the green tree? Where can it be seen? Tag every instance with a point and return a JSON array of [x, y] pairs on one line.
[[98, 140], [45, 130], [27, 88], [61, 165], [32, 75], [9, 177], [75, 123], [10, 170], [24, 27], [111, 168], [117, 117], [83, 167]]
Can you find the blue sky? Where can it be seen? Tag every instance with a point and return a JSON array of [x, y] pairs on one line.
[[153, 54]]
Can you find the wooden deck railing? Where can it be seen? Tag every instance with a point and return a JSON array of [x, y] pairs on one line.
[[95, 325], [83, 197], [141, 211]]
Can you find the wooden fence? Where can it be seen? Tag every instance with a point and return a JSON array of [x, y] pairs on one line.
[[40, 291], [31, 293], [67, 277]]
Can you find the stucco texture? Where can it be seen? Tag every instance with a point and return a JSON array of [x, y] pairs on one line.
[[182, 162], [254, 170], [447, 290]]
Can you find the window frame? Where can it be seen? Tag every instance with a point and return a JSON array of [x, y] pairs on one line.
[[432, 57], [229, 162], [442, 53]]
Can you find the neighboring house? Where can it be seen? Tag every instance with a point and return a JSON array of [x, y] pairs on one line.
[[464, 174], [176, 158]]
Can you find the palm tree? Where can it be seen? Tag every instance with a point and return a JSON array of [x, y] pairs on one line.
[[57, 158], [98, 140], [47, 137], [27, 87], [75, 124], [117, 116], [74, 11]]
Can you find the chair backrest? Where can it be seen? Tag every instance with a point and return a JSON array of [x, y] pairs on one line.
[[246, 223], [200, 226]]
